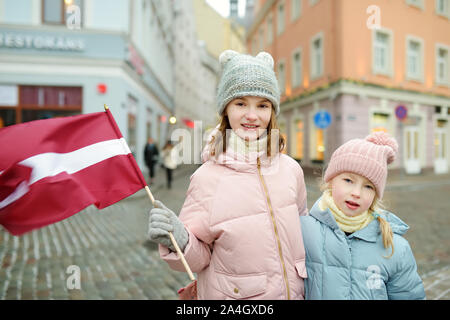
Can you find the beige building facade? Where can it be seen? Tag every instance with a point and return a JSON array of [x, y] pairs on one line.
[[219, 33]]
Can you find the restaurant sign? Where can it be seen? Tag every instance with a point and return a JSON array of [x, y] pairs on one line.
[[40, 42]]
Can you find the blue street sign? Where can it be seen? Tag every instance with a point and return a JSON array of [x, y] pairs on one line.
[[401, 112], [322, 119]]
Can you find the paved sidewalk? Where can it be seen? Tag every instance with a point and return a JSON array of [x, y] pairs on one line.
[[116, 261], [437, 284], [109, 247]]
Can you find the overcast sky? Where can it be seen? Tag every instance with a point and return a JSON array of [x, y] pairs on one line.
[[223, 6]]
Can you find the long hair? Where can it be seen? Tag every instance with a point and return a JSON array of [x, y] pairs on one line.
[[218, 142], [376, 206]]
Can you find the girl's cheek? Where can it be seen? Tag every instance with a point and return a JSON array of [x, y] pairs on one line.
[[369, 200]]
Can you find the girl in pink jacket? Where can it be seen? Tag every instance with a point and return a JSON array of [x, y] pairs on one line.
[[239, 227]]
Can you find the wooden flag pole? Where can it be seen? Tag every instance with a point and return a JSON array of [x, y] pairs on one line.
[[174, 242]]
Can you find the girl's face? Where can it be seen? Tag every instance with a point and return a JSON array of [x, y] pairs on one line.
[[353, 194], [249, 117]]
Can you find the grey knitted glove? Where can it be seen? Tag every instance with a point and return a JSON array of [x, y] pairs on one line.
[[162, 221]]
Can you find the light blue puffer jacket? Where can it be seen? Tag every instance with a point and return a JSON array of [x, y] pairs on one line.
[[353, 267]]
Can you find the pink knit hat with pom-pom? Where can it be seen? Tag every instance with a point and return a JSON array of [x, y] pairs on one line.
[[367, 157]]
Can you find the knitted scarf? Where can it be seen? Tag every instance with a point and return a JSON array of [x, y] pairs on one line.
[[245, 148], [346, 223]]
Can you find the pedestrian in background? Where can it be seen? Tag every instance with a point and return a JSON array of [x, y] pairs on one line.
[[151, 157], [239, 226], [355, 249], [170, 161]]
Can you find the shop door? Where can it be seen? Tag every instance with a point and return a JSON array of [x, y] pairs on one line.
[[440, 152], [411, 142]]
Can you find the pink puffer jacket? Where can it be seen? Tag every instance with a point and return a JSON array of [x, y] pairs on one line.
[[245, 240]]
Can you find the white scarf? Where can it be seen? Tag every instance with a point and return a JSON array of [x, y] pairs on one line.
[[245, 148]]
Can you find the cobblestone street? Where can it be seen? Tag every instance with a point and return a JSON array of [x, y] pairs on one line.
[[116, 261]]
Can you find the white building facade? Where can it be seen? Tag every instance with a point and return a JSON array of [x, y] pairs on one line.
[[196, 76], [61, 58]]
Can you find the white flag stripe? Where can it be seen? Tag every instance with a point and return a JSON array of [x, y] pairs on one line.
[[50, 164]]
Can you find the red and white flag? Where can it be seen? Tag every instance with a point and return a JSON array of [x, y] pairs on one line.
[[52, 169]]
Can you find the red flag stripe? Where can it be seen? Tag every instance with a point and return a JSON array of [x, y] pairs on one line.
[[74, 193], [60, 135]]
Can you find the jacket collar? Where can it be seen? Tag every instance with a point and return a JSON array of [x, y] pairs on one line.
[[242, 161], [370, 233]]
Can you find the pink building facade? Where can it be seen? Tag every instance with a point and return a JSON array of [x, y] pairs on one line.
[[372, 65]]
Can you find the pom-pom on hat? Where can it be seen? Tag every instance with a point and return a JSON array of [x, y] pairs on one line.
[[245, 75], [367, 157]]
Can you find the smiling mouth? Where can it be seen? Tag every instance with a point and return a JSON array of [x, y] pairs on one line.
[[249, 126], [352, 205]]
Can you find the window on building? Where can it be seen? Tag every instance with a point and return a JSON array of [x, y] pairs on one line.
[[316, 137], [280, 18], [53, 11], [440, 142], [437, 109], [281, 76], [57, 11], [382, 53], [414, 59], [317, 145], [442, 65], [317, 57], [416, 3], [320, 145], [42, 102], [298, 136], [380, 122], [443, 8], [282, 126], [412, 144], [296, 9], [297, 69]]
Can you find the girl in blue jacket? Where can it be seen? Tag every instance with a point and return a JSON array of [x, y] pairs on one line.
[[354, 249]]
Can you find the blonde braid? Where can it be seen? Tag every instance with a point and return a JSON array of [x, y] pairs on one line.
[[386, 230]]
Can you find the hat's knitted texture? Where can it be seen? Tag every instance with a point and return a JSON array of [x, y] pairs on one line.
[[244, 75], [367, 157]]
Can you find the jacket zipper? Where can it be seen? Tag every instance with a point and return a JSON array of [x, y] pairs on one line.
[[280, 251]]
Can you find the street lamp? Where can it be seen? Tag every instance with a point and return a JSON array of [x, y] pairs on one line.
[[172, 120]]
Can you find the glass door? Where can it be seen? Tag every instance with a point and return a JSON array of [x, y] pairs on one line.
[[440, 148], [411, 142]]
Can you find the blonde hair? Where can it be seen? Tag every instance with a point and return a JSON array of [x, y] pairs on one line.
[[377, 205], [224, 124]]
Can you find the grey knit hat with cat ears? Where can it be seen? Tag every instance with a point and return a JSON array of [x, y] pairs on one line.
[[244, 75]]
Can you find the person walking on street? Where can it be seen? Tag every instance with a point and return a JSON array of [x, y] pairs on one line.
[[170, 162], [239, 227], [151, 157], [354, 249]]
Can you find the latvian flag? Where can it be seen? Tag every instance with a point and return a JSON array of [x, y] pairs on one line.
[[52, 169]]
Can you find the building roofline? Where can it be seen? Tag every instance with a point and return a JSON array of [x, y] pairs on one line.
[[259, 17]]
